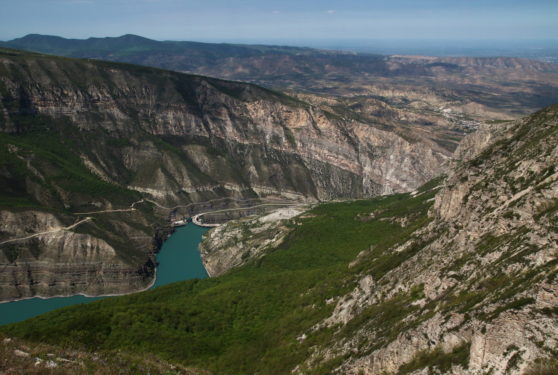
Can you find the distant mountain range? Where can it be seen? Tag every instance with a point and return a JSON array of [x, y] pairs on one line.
[[134, 49], [479, 88]]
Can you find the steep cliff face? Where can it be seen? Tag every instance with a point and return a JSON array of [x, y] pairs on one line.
[[457, 277], [84, 138], [482, 285], [183, 136], [43, 256]]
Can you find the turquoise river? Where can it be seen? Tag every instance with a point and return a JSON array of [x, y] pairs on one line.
[[179, 259]]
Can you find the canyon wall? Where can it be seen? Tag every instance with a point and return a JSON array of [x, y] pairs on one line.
[[129, 146]]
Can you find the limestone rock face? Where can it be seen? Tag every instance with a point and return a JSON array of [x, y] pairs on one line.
[[219, 134], [60, 261], [236, 242], [482, 283], [83, 136]]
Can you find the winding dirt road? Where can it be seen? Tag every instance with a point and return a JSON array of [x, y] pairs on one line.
[[195, 219], [52, 231]]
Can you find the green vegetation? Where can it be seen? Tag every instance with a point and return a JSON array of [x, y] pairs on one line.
[[41, 168], [459, 356], [248, 320], [47, 359], [543, 366], [46, 152], [251, 319]]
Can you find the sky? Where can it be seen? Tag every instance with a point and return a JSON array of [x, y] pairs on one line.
[[272, 21]]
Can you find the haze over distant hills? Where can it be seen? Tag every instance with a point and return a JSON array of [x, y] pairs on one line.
[[442, 89], [542, 50]]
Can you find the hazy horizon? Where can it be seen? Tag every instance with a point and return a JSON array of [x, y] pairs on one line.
[[429, 27], [544, 50], [286, 19]]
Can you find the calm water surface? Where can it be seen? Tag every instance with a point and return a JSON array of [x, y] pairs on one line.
[[179, 259]]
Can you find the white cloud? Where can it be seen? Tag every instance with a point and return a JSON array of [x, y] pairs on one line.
[[331, 11]]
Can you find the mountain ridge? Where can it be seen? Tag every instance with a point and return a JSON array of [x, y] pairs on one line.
[[458, 277], [444, 89]]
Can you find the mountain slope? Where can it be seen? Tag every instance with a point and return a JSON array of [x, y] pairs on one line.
[[458, 278], [23, 357], [470, 88], [128, 146], [220, 117], [488, 270], [180, 56]]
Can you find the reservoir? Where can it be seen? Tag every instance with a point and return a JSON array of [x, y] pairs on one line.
[[179, 259]]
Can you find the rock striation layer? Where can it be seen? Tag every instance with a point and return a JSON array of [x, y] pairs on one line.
[[84, 138], [61, 262], [178, 137]]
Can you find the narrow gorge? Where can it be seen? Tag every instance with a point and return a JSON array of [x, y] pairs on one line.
[[118, 143], [457, 277]]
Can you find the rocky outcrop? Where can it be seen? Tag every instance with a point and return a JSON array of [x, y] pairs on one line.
[[25, 357], [236, 242], [481, 284]]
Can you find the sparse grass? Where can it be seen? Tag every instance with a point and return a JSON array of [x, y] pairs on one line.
[[22, 357], [543, 366], [437, 358]]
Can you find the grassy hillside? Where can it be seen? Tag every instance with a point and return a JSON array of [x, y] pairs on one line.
[[248, 320], [52, 147], [41, 359]]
